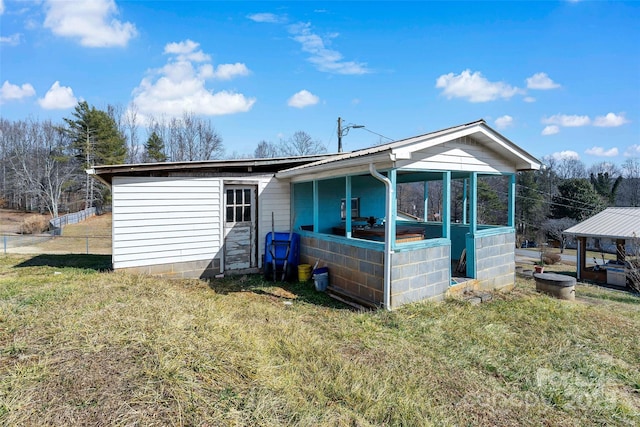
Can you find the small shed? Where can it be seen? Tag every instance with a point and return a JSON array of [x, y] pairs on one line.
[[619, 224], [202, 218]]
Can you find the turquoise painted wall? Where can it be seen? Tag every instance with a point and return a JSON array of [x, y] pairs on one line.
[[370, 191], [303, 203]]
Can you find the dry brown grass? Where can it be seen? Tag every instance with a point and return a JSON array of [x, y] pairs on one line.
[[78, 347], [34, 224]]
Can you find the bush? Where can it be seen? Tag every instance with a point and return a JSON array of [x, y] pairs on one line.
[[34, 224], [551, 258]]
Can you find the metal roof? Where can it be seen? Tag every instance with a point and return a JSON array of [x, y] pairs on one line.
[[266, 165], [614, 223], [480, 129]]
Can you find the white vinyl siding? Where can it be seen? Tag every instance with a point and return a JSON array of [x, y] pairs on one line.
[[275, 196], [459, 155], [159, 220]]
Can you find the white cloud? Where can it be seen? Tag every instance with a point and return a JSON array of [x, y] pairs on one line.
[[1, 7], [504, 122], [12, 40], [610, 120], [325, 60], [179, 86], [529, 99], [186, 51], [302, 99], [10, 92], [566, 155], [566, 120], [601, 152], [632, 151], [58, 98], [229, 71], [92, 22], [541, 81], [550, 130], [268, 17], [474, 86]]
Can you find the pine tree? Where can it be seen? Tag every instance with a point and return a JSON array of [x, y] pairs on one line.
[[95, 136], [154, 149]]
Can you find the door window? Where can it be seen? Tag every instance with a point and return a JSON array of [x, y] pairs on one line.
[[238, 205]]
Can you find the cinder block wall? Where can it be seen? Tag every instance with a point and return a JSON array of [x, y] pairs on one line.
[[495, 260], [204, 269], [420, 274], [356, 271]]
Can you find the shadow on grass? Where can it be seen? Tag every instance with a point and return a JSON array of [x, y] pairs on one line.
[[89, 262], [292, 291]]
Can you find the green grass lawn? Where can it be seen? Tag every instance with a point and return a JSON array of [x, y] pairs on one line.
[[83, 347]]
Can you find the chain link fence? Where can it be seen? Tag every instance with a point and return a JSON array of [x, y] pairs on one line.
[[50, 243]]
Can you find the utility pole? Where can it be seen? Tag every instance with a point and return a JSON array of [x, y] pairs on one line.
[[339, 135], [342, 132]]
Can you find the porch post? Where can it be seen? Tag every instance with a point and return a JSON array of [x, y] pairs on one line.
[[511, 214], [446, 204], [464, 200], [394, 210], [473, 202], [473, 225], [316, 207], [347, 225], [426, 201]]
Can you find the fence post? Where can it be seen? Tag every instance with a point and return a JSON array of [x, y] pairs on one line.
[[87, 245], [4, 238]]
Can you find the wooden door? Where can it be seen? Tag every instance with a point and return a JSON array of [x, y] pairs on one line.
[[240, 227]]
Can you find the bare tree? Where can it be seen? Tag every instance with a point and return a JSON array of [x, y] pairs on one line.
[[43, 162], [131, 124], [266, 149], [191, 138], [554, 228], [571, 168], [629, 192], [301, 144]]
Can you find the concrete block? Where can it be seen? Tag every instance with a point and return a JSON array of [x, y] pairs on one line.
[[402, 285], [378, 270], [366, 267], [401, 257], [374, 256], [417, 282]]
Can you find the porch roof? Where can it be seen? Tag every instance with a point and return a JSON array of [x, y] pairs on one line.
[[395, 153], [613, 223]]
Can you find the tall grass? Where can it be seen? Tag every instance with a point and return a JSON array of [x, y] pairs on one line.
[[79, 347]]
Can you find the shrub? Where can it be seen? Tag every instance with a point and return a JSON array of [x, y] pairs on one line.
[[551, 258], [34, 224]]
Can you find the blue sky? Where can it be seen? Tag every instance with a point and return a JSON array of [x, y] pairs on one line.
[[557, 78]]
